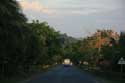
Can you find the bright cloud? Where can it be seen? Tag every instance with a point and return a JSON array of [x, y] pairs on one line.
[[34, 6], [79, 7]]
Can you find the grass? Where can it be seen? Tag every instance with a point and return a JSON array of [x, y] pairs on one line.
[[10, 81], [113, 77], [19, 79]]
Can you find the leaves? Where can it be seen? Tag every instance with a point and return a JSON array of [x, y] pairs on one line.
[[22, 44]]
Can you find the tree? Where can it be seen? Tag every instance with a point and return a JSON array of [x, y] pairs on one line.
[[11, 34], [17, 51], [122, 44], [49, 42]]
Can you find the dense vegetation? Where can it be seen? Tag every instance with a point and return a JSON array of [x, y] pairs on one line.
[[101, 50], [23, 45]]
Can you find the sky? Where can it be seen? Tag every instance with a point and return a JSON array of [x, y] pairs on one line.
[[77, 18]]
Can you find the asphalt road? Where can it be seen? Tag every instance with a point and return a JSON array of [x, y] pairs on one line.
[[61, 74]]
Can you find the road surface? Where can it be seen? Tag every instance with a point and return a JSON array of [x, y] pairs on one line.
[[61, 74]]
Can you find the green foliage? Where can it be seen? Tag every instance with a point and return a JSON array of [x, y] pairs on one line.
[[107, 52], [13, 33], [24, 45], [49, 42], [94, 47], [122, 44]]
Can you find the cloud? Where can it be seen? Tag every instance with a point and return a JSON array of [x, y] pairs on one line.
[[68, 7], [86, 7], [34, 6]]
